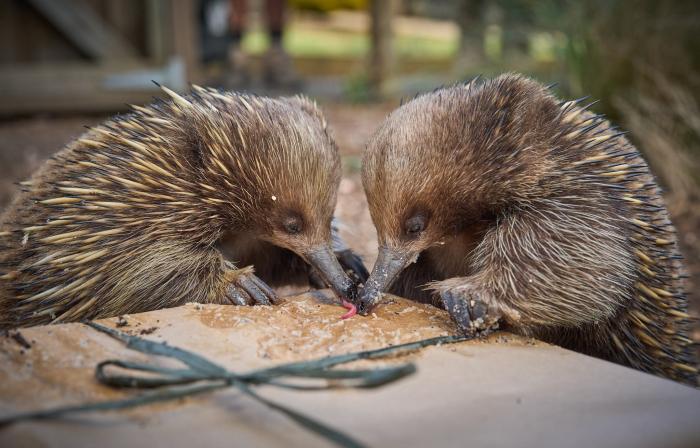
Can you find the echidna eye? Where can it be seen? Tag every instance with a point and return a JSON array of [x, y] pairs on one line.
[[293, 225], [415, 225]]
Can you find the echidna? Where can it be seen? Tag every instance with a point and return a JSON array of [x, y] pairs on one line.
[[509, 206], [134, 215]]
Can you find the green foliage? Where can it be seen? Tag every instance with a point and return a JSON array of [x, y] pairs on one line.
[[641, 59], [615, 45], [327, 5], [328, 43]]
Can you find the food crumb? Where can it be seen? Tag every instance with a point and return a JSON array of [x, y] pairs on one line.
[[122, 322], [20, 339]]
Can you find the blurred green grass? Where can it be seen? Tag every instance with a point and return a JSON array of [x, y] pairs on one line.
[[320, 43]]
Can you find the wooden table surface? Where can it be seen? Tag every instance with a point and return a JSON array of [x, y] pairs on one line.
[[506, 391]]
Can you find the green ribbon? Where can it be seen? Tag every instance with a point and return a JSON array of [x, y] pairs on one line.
[[202, 375]]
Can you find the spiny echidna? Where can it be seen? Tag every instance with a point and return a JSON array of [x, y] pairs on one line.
[[510, 206], [134, 215]]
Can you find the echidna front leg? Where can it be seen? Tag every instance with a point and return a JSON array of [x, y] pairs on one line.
[[351, 262], [472, 307], [245, 288]]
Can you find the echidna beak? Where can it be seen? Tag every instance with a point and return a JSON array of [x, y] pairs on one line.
[[324, 260], [390, 262]]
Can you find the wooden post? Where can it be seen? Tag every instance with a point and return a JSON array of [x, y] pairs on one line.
[[79, 23], [382, 52], [185, 36], [157, 29], [470, 18]]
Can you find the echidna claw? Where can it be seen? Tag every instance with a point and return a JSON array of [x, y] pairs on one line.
[[471, 314], [248, 289], [352, 264], [237, 296]]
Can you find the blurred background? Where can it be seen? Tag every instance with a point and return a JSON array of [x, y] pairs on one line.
[[69, 63]]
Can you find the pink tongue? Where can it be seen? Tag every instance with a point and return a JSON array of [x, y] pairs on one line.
[[352, 309]]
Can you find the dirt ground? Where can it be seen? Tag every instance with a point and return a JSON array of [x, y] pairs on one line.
[[25, 143]]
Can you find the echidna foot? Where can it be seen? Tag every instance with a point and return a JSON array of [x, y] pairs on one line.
[[248, 289], [469, 308]]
